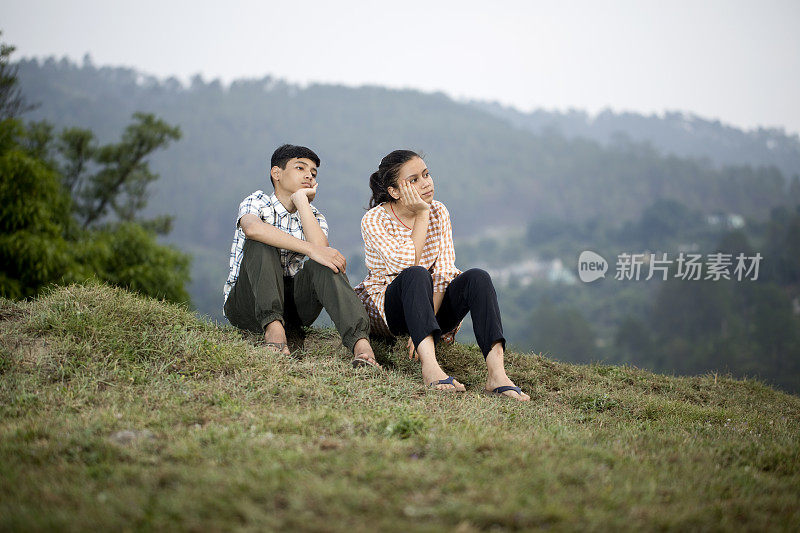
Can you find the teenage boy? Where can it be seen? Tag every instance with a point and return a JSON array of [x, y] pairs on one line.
[[269, 284]]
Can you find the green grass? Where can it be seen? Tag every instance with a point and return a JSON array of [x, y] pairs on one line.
[[224, 435]]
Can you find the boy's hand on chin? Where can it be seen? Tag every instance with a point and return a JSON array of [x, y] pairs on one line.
[[307, 193]]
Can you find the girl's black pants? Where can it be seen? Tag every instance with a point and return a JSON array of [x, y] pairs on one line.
[[409, 306]]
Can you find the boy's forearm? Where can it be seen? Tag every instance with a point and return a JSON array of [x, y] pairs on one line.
[[258, 230], [311, 228]]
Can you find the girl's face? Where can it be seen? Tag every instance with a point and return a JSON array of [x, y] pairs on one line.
[[415, 173]]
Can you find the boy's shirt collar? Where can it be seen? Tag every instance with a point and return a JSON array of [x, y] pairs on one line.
[[280, 209]]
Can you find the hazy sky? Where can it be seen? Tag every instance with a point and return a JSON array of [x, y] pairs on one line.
[[735, 61]]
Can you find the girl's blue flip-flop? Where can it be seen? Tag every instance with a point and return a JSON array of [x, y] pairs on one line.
[[500, 390], [447, 381]]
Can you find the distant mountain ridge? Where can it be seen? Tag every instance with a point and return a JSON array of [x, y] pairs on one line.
[[678, 133]]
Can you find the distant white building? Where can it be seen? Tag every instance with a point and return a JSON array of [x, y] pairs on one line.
[[726, 220], [526, 272]]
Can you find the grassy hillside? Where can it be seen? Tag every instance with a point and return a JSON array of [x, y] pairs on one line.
[[118, 412]]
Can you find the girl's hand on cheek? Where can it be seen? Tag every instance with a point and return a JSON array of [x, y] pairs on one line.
[[411, 199]]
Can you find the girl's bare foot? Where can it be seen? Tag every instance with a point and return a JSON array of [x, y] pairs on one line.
[[492, 384], [497, 375], [432, 373]]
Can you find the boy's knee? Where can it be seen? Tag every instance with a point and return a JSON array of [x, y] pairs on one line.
[[252, 246], [316, 268], [320, 271]]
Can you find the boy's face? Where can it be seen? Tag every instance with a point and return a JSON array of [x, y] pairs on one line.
[[300, 173]]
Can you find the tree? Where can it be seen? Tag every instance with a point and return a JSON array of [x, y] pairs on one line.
[[33, 250], [783, 248], [632, 340], [127, 255], [661, 223], [562, 333], [12, 103], [44, 240], [746, 326], [112, 178], [68, 208]]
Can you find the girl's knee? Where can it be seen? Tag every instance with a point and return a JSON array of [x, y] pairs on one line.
[[417, 272], [479, 276]]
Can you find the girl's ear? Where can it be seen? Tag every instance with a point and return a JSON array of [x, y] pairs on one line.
[[394, 193]]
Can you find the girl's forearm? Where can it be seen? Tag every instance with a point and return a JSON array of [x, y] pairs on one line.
[[419, 233]]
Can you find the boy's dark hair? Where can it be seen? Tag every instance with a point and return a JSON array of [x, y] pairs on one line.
[[284, 153]]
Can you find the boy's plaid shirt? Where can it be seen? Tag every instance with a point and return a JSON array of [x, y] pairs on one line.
[[388, 250], [269, 209]]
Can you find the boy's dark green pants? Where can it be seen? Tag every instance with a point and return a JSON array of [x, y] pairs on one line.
[[262, 295]]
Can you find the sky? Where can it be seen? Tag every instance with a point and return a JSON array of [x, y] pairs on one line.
[[734, 61]]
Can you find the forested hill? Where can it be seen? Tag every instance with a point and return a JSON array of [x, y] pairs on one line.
[[488, 171], [678, 133]]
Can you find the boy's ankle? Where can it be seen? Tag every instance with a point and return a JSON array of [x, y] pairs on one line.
[[274, 328], [362, 346]]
